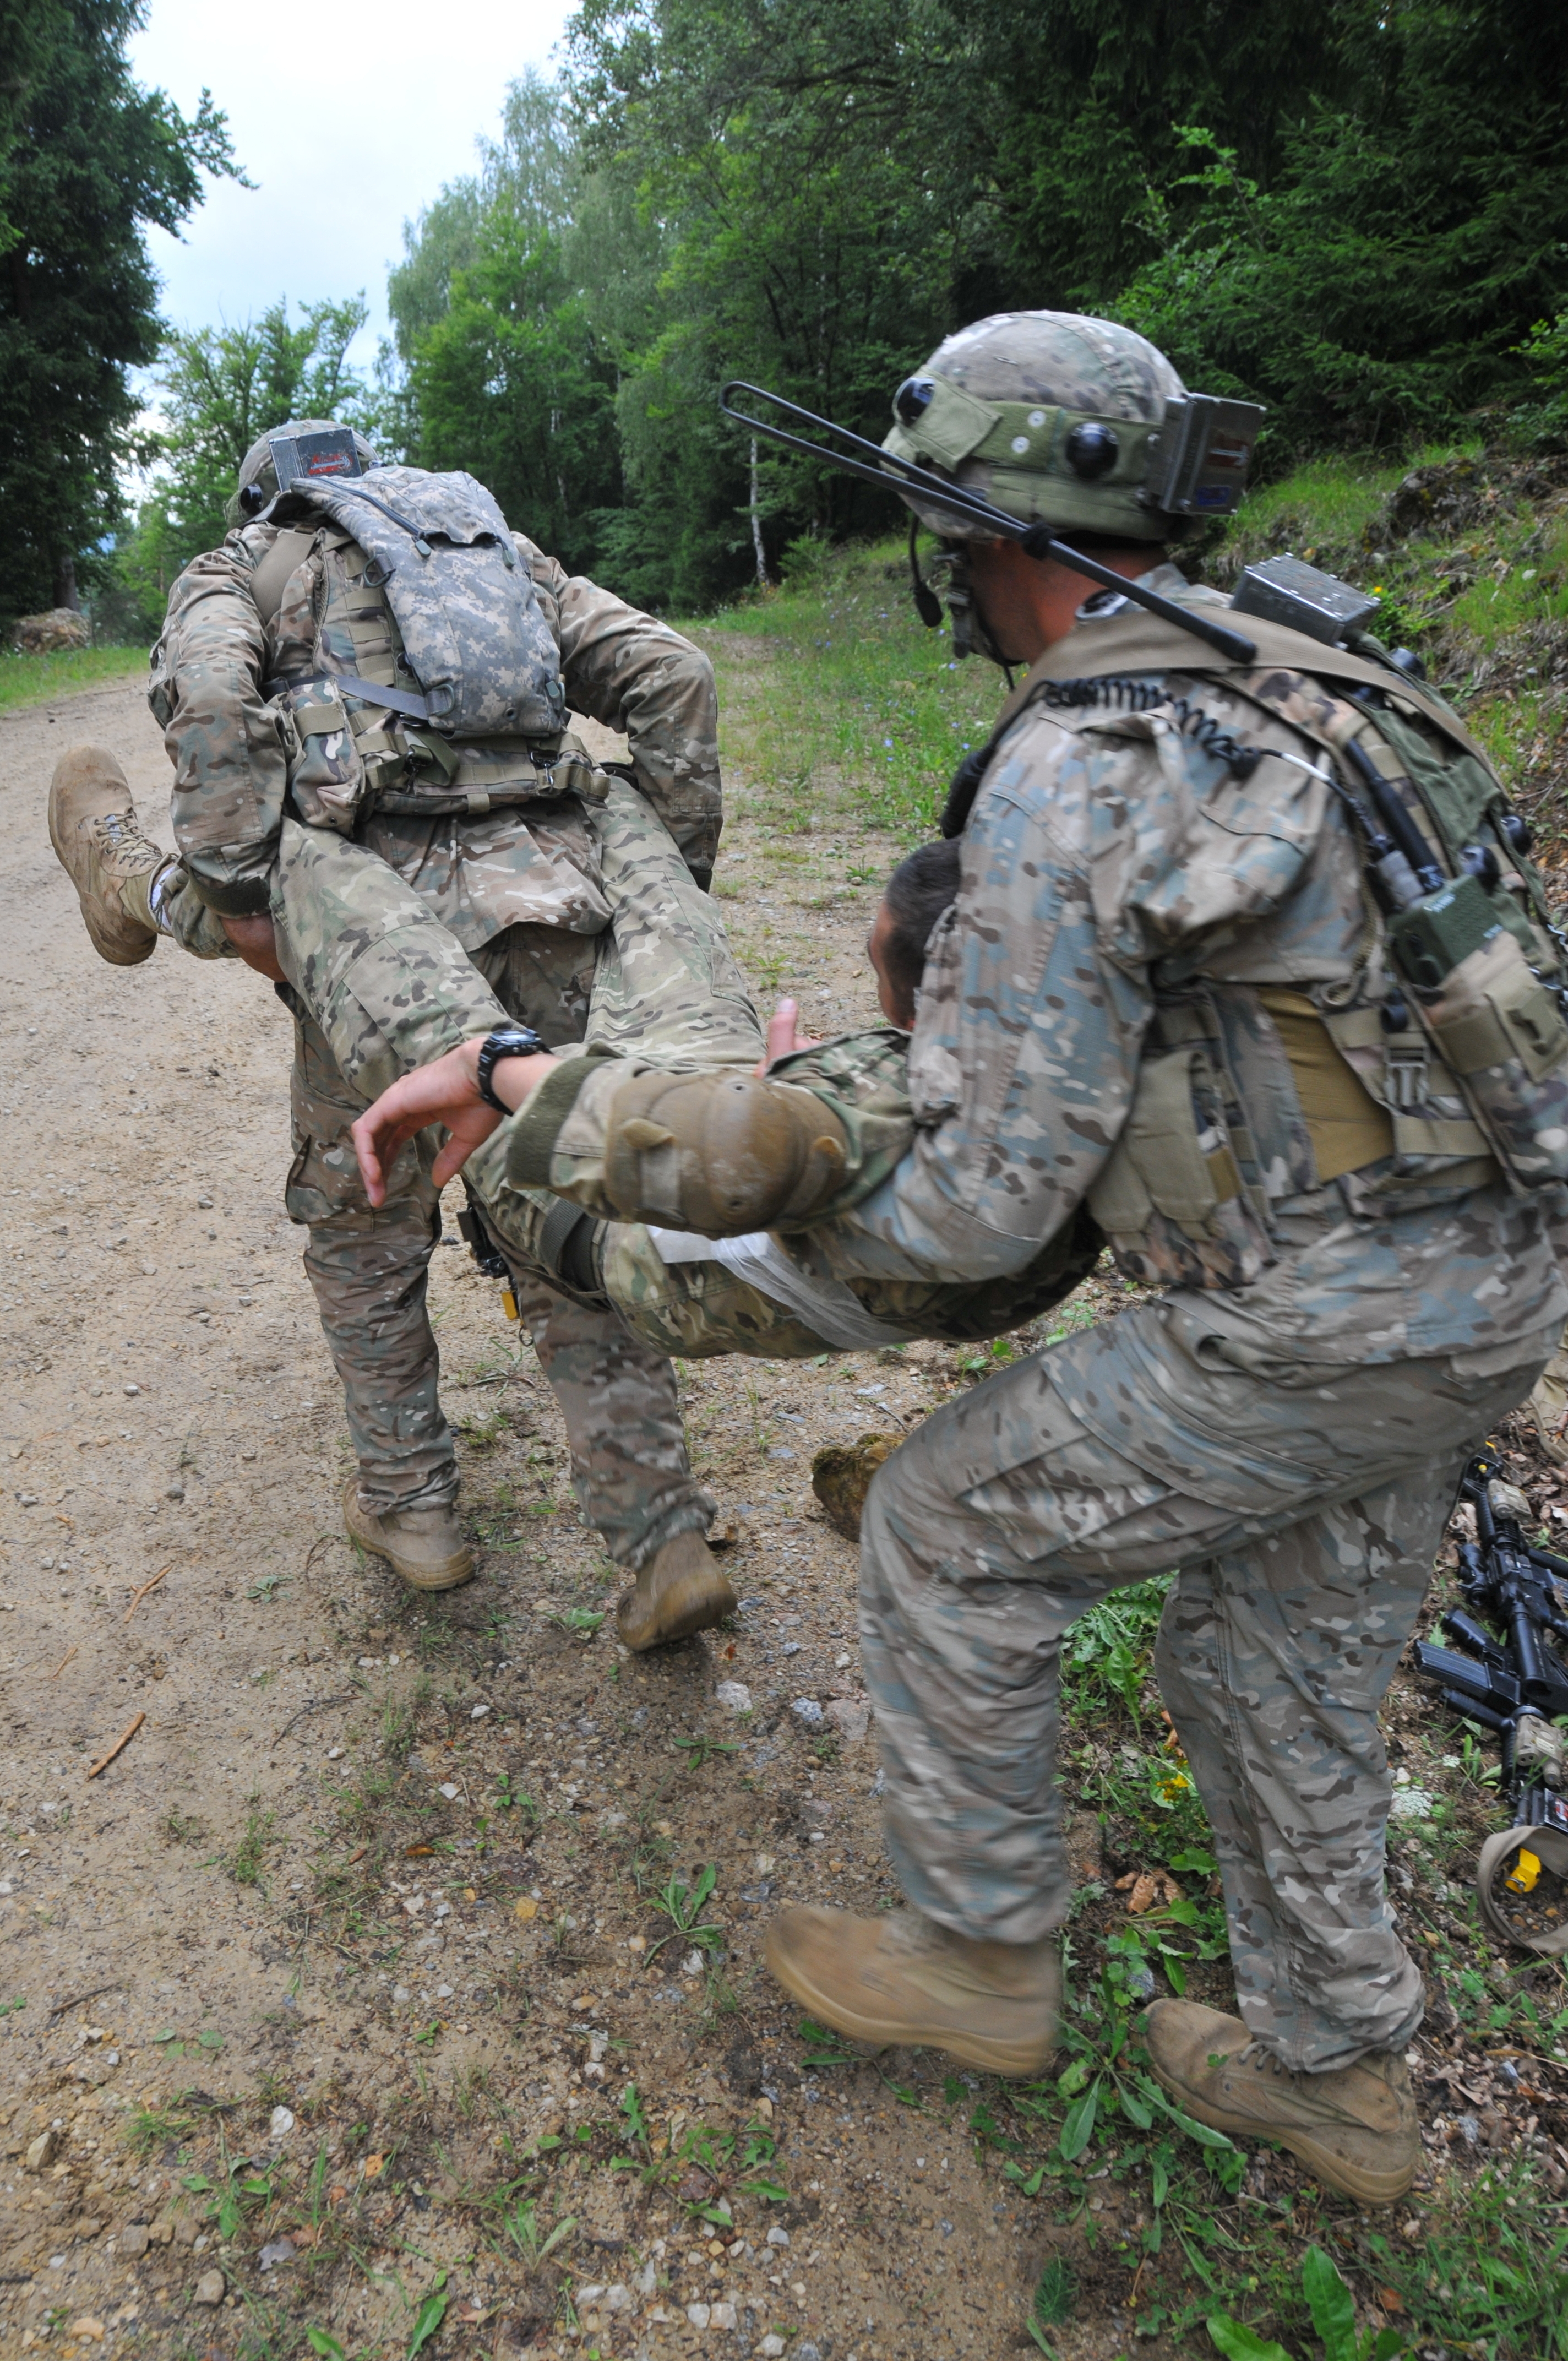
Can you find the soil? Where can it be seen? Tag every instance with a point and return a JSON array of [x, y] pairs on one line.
[[301, 1884]]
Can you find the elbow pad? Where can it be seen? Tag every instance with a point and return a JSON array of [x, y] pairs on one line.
[[722, 1154]]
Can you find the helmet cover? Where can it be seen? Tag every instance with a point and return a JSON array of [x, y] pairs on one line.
[[1045, 414]]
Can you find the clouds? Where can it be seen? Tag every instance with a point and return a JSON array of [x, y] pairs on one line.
[[345, 139]]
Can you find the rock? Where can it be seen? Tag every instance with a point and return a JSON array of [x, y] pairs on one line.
[[87, 2226], [807, 2353], [721, 2315], [619, 2298], [211, 2287], [807, 1712], [88, 2326], [842, 1476], [134, 2240], [771, 2347], [279, 2250], [187, 2229], [48, 635], [735, 1695], [700, 2314], [41, 2153], [852, 1717], [1444, 499], [280, 2124], [777, 2238]]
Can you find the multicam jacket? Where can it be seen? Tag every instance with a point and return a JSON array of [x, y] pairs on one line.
[[214, 689], [1159, 994]]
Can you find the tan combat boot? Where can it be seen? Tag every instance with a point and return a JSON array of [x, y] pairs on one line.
[[901, 1978], [1355, 2128], [425, 1546], [93, 829], [679, 1591]]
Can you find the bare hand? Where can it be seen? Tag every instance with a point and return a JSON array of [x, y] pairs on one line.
[[446, 1092], [783, 1038], [257, 944]]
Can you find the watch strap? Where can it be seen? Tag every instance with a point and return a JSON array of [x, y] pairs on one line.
[[506, 1041]]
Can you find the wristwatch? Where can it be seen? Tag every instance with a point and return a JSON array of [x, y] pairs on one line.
[[506, 1041]]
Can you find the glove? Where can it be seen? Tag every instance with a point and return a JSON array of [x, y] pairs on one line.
[[720, 1154]]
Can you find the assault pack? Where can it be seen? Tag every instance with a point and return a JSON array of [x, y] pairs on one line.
[[430, 683]]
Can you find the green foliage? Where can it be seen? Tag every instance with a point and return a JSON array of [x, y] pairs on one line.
[[222, 388], [88, 161]]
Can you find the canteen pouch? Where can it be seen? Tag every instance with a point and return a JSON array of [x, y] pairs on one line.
[[326, 773], [1501, 1032]]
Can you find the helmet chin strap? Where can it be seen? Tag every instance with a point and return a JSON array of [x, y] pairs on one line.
[[950, 586]]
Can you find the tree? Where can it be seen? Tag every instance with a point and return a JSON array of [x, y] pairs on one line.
[[92, 159], [222, 387]]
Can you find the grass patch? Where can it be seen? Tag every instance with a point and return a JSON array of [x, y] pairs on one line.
[[862, 705], [33, 680]]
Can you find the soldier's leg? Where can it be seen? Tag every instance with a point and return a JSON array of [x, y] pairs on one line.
[[989, 1533], [666, 981], [619, 1397], [1273, 1661], [370, 1268]]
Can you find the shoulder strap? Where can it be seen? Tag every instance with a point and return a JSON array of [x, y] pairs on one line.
[[273, 568], [1140, 643]]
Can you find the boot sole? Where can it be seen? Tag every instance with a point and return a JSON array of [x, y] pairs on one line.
[[1366, 2188], [126, 951], [450, 1575], [1015, 2061], [701, 1615]]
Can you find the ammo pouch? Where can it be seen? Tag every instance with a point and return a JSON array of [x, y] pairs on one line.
[[1501, 1032], [326, 772], [1170, 1197]]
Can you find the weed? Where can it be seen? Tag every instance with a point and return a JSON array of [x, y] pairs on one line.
[[177, 1828], [246, 1861], [149, 2128], [579, 1621], [1110, 1648], [699, 1751], [683, 1906], [523, 2227], [268, 1587]]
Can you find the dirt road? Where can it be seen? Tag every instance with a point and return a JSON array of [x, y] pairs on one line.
[[346, 1982]]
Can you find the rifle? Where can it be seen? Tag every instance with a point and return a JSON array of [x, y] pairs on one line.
[[1509, 1679]]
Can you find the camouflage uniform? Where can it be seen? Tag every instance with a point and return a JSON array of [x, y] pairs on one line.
[[1353, 1296], [518, 888], [1287, 1426]]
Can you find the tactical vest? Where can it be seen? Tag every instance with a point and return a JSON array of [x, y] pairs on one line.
[[429, 682], [1440, 1066]]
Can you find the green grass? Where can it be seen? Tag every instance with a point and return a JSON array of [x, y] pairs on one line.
[[33, 680], [859, 697]]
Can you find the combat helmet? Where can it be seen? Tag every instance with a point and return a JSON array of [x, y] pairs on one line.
[[301, 446], [1049, 415]]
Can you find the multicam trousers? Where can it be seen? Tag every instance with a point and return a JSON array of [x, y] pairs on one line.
[[392, 988], [1303, 1506]]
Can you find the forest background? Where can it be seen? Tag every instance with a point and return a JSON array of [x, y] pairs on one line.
[[1355, 213]]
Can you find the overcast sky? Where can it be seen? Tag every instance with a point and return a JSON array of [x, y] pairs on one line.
[[345, 141]]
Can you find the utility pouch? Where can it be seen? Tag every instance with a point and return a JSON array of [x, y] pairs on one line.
[[326, 770], [1170, 1197], [1502, 1032]]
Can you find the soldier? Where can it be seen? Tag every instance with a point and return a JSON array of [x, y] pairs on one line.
[[1172, 989], [377, 656]]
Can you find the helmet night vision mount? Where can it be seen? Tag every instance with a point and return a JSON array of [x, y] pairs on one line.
[[1197, 464], [328, 451]]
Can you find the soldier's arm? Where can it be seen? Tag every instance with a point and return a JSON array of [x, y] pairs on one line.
[[633, 673], [1019, 1076], [229, 773]]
